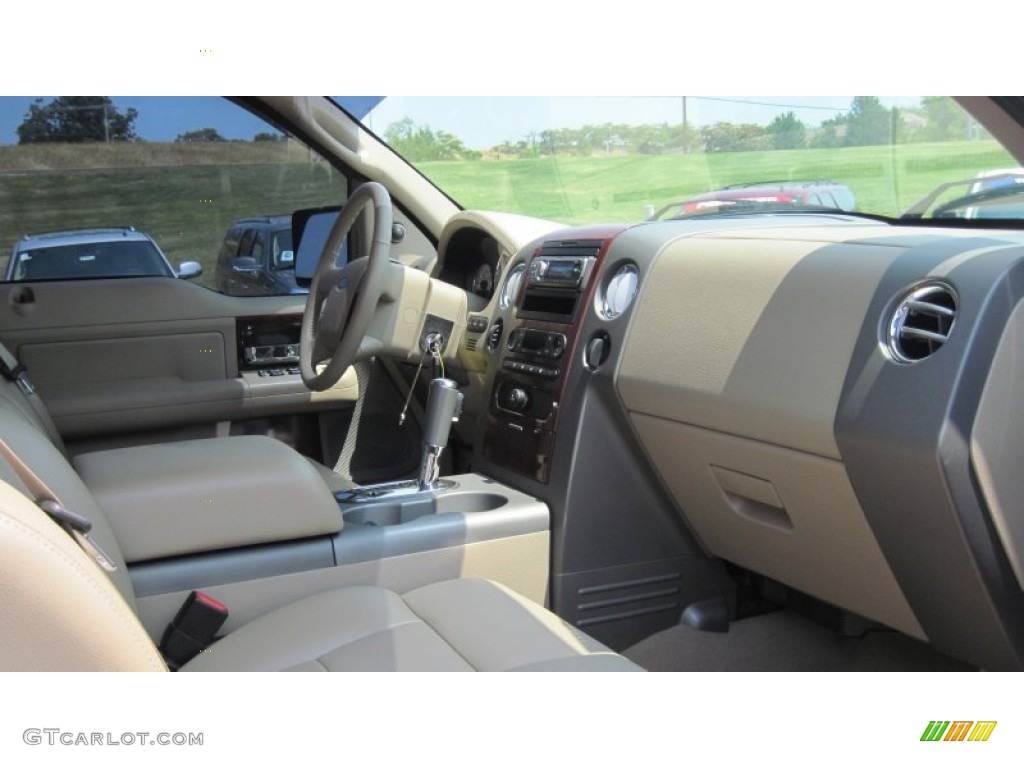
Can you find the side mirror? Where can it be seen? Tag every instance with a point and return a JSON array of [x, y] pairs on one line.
[[189, 269], [310, 229]]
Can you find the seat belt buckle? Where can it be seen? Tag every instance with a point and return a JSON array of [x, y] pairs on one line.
[[193, 629], [79, 528], [19, 375], [23, 381]]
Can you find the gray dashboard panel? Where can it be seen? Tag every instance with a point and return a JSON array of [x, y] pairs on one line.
[[903, 431]]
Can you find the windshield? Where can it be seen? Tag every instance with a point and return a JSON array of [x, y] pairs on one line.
[[583, 160]]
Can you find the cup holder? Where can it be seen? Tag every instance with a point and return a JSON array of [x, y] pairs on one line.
[[385, 513], [472, 501]]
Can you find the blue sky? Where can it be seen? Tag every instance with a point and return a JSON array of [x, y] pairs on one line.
[[160, 118], [483, 122], [480, 122]]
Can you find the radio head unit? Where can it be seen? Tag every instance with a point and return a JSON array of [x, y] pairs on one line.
[[556, 279], [559, 271]]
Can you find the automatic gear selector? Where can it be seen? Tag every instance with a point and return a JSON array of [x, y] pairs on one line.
[[444, 404]]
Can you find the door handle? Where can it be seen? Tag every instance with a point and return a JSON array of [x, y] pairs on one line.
[[23, 300]]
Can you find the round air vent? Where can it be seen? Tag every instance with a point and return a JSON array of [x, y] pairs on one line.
[[510, 291], [921, 322], [619, 292]]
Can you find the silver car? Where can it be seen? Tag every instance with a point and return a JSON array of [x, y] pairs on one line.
[[84, 253]]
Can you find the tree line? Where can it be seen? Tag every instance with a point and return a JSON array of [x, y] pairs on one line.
[[867, 122], [84, 119], [77, 119]]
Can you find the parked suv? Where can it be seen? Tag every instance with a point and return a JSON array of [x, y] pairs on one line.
[[819, 193], [81, 253], [256, 258]]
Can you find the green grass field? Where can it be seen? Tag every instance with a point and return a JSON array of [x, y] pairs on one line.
[[187, 195], [885, 180]]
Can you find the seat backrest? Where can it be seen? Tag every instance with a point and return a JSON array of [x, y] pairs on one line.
[[58, 609], [13, 395]]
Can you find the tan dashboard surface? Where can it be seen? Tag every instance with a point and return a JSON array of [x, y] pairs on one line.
[[732, 373], [750, 337]]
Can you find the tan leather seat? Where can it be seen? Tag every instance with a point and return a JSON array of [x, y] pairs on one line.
[[453, 626], [60, 611]]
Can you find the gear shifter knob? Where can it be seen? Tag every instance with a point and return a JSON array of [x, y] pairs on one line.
[[444, 403]]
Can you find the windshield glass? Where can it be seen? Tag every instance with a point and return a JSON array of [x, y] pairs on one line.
[[582, 160]]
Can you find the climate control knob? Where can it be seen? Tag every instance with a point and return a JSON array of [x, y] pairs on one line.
[[513, 398]]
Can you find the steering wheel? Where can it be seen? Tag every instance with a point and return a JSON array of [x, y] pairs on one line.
[[342, 300]]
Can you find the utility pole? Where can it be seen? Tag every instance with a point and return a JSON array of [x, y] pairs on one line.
[[686, 131]]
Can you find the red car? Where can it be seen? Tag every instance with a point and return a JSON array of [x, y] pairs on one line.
[[825, 194]]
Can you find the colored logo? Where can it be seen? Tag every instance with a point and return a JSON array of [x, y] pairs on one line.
[[958, 730]]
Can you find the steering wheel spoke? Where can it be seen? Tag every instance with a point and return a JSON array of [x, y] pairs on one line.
[[342, 300]]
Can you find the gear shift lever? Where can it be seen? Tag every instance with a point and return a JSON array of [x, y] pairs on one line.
[[444, 403]]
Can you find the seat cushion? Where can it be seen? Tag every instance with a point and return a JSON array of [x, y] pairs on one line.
[[452, 626]]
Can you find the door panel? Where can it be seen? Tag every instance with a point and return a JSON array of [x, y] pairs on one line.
[[112, 357]]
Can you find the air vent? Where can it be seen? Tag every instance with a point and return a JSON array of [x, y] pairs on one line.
[[471, 344], [921, 322]]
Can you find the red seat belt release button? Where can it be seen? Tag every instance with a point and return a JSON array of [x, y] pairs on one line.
[[193, 628]]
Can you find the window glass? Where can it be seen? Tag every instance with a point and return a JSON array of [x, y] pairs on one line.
[[259, 247], [282, 254], [245, 247], [578, 160], [177, 171]]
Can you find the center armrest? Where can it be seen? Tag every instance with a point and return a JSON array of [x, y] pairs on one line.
[[204, 495]]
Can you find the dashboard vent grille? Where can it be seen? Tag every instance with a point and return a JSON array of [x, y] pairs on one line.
[[921, 322], [581, 248], [471, 343]]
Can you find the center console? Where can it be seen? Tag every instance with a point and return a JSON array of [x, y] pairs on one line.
[[623, 565], [267, 527], [399, 538], [535, 356]]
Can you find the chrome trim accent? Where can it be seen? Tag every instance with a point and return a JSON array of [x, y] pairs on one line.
[[921, 301], [513, 284], [920, 333], [274, 353], [927, 306], [623, 271], [369, 494]]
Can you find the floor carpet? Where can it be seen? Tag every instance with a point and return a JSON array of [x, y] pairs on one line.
[[785, 642]]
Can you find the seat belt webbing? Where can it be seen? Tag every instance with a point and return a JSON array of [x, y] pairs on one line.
[[75, 525]]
